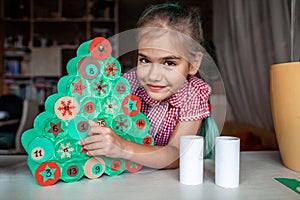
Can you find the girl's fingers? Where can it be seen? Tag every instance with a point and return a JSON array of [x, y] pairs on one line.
[[96, 152], [92, 123], [93, 146], [96, 129], [91, 139]]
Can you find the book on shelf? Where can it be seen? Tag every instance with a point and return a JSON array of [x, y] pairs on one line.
[[16, 65], [103, 10], [43, 88], [21, 88], [39, 90]]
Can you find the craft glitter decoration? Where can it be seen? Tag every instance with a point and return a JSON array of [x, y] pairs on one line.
[[93, 90]]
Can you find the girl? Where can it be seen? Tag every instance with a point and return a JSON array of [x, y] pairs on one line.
[[173, 98]]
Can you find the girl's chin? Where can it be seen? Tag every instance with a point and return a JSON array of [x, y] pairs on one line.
[[158, 96]]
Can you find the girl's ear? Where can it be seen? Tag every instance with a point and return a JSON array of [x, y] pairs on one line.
[[194, 66]]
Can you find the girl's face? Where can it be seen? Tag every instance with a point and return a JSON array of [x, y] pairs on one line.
[[162, 68]]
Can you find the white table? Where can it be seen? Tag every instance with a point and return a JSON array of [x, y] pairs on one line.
[[258, 170]]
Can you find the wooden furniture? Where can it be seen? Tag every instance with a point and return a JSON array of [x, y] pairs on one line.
[[258, 170], [53, 27]]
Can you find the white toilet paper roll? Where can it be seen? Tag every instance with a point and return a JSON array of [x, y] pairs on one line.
[[227, 161], [191, 160]]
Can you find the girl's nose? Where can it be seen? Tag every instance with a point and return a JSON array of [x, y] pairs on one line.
[[155, 72]]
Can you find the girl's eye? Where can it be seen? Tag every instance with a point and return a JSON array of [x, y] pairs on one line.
[[169, 63], [144, 60]]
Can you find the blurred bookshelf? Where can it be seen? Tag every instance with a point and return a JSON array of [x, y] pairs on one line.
[[31, 30]]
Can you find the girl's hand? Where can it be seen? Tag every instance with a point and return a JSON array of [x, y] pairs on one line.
[[103, 141]]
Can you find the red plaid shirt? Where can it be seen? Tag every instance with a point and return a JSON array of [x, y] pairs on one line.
[[188, 104]]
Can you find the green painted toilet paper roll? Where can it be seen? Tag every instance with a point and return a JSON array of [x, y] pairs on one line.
[[72, 66], [83, 49], [78, 128], [40, 149], [30, 135], [64, 84], [111, 68], [121, 88], [100, 87], [72, 171], [66, 149], [94, 167], [47, 173], [50, 102], [114, 166], [55, 128], [121, 124]]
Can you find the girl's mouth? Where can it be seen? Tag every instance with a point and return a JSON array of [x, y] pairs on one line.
[[155, 87]]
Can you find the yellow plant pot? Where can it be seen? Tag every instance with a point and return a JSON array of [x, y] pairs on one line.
[[285, 103]]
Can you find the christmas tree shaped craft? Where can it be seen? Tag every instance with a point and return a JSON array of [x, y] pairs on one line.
[[93, 90]]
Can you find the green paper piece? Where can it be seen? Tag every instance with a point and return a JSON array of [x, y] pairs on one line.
[[40, 120], [83, 49], [64, 84], [40, 149], [72, 171], [28, 136], [293, 184], [50, 102], [72, 66]]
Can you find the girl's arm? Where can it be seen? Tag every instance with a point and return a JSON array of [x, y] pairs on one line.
[[104, 141]]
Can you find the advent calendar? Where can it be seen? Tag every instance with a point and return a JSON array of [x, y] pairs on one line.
[[93, 90]]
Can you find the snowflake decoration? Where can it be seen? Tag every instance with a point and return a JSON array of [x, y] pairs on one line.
[[66, 108], [110, 106], [121, 124], [65, 150], [100, 87], [111, 69]]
